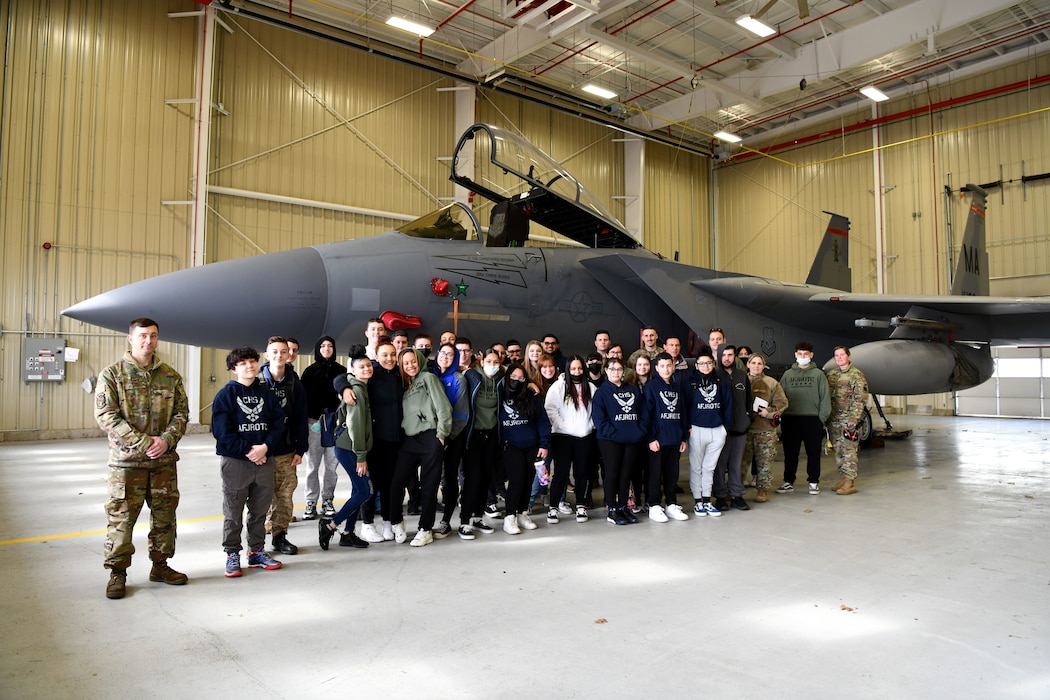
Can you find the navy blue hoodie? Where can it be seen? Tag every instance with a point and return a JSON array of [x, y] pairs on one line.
[[667, 412], [618, 413], [711, 401], [291, 394], [245, 416], [517, 429]]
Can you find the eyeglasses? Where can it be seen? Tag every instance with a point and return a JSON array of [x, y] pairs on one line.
[[513, 351], [446, 353], [707, 363]]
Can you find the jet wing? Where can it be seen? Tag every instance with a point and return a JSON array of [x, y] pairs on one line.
[[889, 304], [1000, 320]]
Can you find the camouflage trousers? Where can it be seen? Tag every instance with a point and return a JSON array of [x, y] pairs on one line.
[[845, 450], [284, 483], [129, 488], [762, 445]]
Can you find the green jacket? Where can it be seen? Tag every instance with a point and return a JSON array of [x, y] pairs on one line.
[[425, 406], [134, 404], [807, 391], [353, 424]]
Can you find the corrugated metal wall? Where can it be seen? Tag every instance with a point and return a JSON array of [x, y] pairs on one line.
[[677, 204], [89, 151]]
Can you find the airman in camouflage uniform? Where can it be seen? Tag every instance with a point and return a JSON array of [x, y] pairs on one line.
[[141, 405], [762, 436], [849, 396]]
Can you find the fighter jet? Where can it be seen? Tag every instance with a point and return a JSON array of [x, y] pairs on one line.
[[445, 272]]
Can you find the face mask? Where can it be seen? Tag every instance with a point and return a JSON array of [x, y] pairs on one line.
[[514, 385], [491, 370], [803, 361], [594, 368], [576, 378], [426, 352]]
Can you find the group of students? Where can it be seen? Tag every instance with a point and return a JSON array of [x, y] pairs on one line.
[[511, 421], [508, 421]]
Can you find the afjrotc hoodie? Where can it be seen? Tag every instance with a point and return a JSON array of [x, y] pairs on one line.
[[711, 401], [291, 395], [667, 412], [618, 413], [245, 416], [517, 429]]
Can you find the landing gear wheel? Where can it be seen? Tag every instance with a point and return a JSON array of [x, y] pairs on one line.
[[864, 427]]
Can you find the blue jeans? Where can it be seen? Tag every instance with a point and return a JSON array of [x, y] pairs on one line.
[[360, 490]]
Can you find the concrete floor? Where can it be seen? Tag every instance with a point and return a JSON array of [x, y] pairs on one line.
[[933, 581]]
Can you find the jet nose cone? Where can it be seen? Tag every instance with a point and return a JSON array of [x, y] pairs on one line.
[[223, 304]]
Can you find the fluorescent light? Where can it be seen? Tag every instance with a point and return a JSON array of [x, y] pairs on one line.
[[874, 94], [726, 136], [755, 26], [599, 91], [409, 26]]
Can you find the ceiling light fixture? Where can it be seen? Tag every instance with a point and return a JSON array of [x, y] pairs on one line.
[[728, 137], [874, 94], [599, 91], [755, 26], [410, 26]]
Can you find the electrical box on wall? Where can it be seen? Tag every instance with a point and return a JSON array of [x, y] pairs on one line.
[[43, 360]]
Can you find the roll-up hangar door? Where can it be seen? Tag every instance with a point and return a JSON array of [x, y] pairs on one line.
[[1018, 389]]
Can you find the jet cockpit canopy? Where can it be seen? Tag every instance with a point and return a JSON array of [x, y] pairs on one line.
[[505, 168]]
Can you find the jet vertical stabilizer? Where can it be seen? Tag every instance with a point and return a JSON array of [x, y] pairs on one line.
[[971, 268], [831, 265]]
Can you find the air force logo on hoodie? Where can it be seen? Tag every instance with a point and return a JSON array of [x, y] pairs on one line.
[[670, 401], [252, 414], [626, 402]]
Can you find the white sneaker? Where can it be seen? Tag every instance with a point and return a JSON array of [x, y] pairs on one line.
[[370, 534], [674, 512], [814, 489], [388, 531], [564, 508], [656, 514], [510, 525], [399, 532], [422, 539], [525, 522]]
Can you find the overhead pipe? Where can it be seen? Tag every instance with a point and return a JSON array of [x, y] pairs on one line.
[[899, 116], [822, 98]]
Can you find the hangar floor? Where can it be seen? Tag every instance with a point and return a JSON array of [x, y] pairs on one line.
[[932, 581]]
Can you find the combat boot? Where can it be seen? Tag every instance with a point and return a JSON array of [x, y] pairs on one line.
[[115, 588], [161, 572], [838, 484], [762, 496], [282, 545], [847, 488]]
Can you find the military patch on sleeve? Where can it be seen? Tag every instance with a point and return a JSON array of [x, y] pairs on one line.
[[100, 400]]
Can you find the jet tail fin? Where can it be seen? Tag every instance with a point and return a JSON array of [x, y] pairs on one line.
[[831, 264], [971, 268]]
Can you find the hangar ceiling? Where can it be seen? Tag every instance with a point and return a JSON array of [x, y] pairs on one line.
[[684, 69]]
